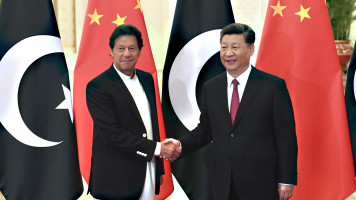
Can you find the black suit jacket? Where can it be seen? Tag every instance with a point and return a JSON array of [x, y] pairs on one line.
[[258, 150], [120, 149]]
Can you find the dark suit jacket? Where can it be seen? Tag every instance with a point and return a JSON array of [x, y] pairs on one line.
[[258, 150], [120, 149]]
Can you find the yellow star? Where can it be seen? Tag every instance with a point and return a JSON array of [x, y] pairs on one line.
[[138, 5], [278, 9], [95, 17], [119, 20], [303, 13]]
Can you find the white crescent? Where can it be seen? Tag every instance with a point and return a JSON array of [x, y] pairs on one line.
[[184, 75], [12, 67]]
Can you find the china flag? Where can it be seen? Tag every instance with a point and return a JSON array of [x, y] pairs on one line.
[[102, 17], [297, 44]]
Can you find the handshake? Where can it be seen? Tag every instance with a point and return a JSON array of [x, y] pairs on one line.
[[170, 149]]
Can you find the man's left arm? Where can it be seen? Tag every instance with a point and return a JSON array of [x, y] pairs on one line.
[[286, 140]]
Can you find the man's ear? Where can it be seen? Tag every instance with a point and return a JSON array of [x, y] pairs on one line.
[[252, 49]]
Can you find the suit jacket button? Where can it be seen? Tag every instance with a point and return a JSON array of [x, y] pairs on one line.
[[232, 135], [144, 135]]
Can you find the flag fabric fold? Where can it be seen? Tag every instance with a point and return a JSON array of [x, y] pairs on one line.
[[192, 58], [101, 18], [38, 147], [350, 99], [297, 45]]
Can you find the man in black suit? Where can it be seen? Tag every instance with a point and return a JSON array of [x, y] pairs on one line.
[[254, 145], [121, 102]]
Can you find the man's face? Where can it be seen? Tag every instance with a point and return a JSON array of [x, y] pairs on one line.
[[235, 53], [126, 54]]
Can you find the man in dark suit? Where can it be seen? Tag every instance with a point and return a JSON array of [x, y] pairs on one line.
[[126, 144], [254, 145]]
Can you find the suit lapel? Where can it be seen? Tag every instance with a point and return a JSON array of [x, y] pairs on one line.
[[252, 86], [221, 93], [148, 87], [149, 90], [123, 91]]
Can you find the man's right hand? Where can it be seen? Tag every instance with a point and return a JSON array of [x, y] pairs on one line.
[[170, 149]]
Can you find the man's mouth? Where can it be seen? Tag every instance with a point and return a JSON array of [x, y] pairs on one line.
[[231, 61]]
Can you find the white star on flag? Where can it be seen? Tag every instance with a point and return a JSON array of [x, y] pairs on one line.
[[67, 102]]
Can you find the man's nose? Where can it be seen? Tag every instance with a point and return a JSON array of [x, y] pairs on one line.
[[127, 52], [229, 52]]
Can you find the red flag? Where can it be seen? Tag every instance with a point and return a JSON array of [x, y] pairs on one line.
[[102, 17], [297, 44]]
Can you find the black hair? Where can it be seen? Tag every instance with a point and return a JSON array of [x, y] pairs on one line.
[[126, 30], [237, 28]]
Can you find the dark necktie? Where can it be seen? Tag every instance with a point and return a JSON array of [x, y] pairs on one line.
[[234, 101]]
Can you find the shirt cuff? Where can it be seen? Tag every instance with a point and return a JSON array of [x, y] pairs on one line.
[[158, 149], [286, 184]]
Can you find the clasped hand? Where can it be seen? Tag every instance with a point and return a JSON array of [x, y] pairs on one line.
[[170, 149]]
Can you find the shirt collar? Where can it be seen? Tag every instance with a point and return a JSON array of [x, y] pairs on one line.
[[123, 76], [242, 79]]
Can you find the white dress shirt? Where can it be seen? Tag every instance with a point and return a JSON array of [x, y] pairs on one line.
[[242, 79]]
